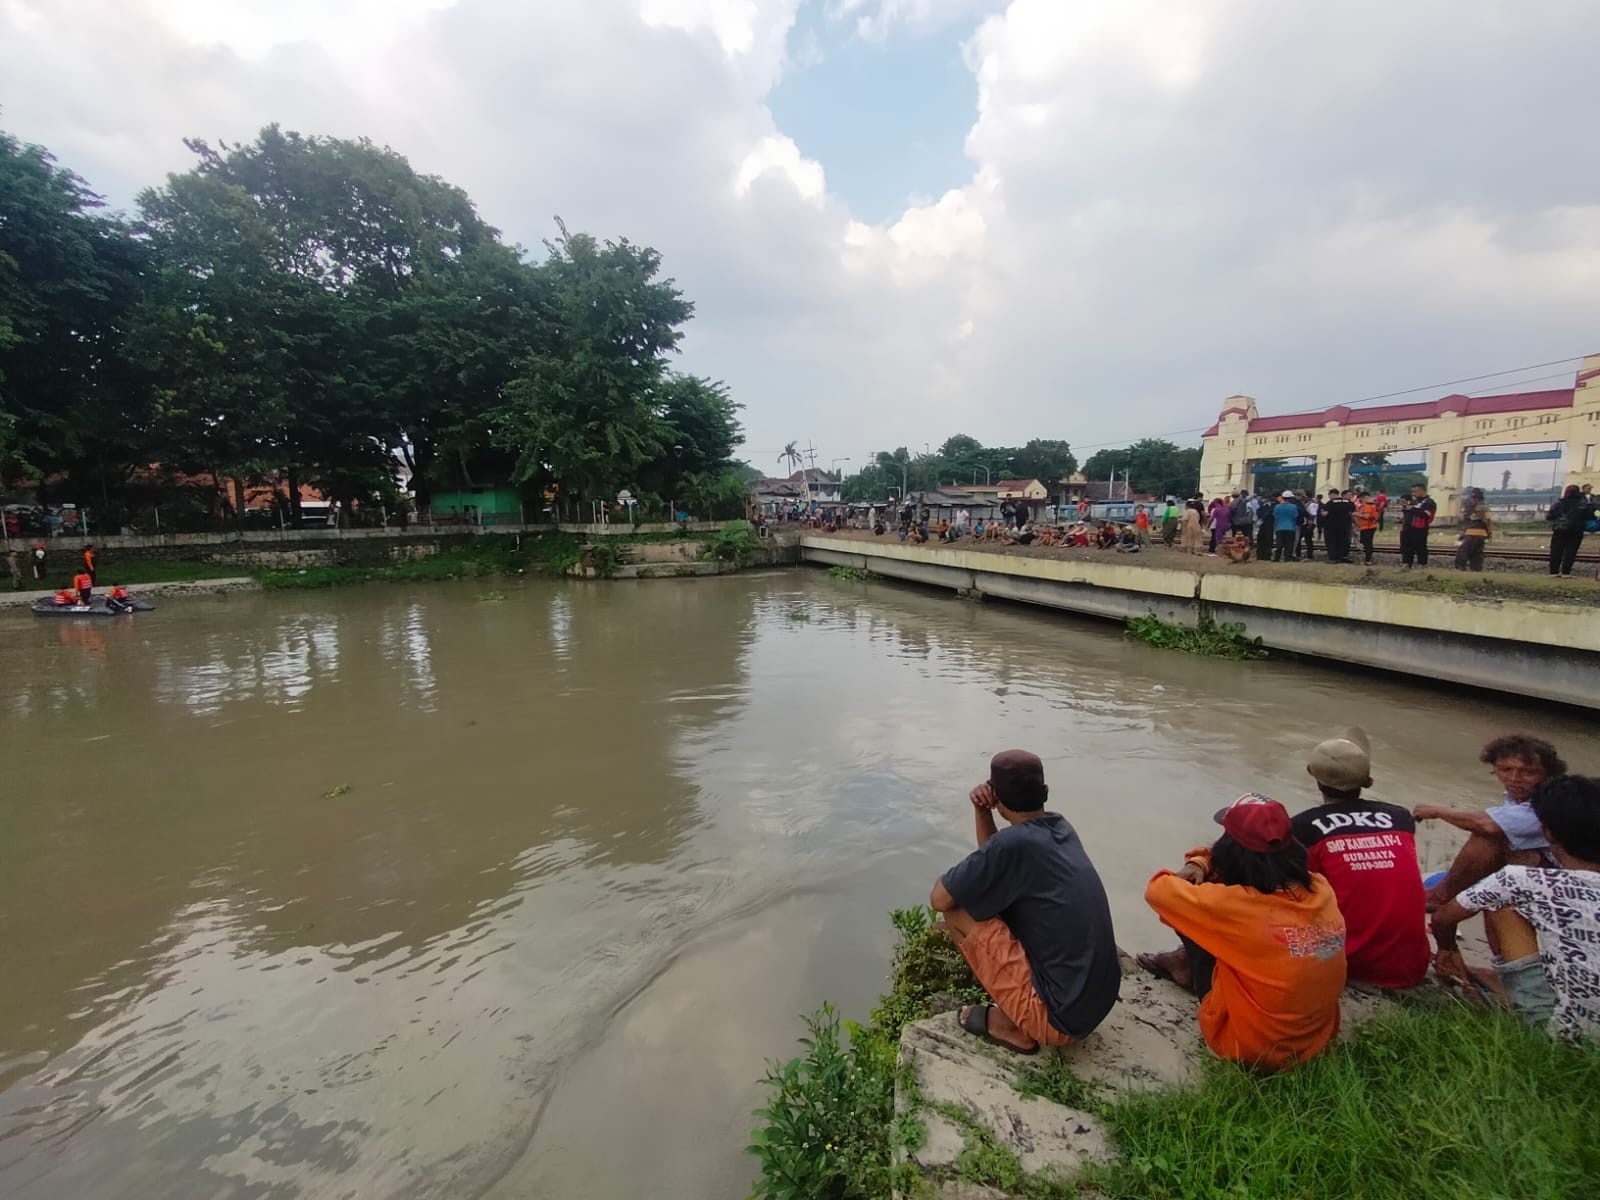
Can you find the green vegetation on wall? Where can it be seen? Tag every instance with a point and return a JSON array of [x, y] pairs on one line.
[[1436, 1101], [1205, 637]]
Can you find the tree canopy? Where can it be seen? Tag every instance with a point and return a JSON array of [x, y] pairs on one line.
[[312, 310], [960, 460], [1154, 465]]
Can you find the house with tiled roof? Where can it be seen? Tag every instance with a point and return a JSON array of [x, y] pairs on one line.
[[1442, 437]]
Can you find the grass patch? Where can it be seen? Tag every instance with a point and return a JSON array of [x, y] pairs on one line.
[[1422, 1104], [1436, 1102], [1219, 641], [854, 573], [828, 1130]]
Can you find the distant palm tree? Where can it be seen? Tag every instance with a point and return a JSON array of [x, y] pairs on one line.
[[790, 455]]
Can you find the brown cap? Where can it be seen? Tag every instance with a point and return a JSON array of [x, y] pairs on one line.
[[1014, 771], [1344, 762]]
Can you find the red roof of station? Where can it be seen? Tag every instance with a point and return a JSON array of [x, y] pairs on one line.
[[1465, 406]]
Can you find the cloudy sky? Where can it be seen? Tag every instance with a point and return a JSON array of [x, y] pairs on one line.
[[902, 219]]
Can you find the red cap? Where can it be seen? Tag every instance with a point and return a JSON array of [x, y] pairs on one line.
[[1257, 823]]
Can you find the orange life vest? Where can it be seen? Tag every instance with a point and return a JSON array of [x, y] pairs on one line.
[[66, 597], [83, 582]]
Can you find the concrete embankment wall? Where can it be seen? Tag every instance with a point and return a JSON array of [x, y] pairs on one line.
[[1548, 651], [297, 549]]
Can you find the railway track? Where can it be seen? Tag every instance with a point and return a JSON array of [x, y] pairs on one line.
[[1489, 552]]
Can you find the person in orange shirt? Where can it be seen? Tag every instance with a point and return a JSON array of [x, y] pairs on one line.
[[66, 597], [88, 561], [83, 584], [1368, 516], [1263, 940], [1141, 524]]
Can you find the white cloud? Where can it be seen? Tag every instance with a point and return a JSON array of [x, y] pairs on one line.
[[776, 154], [1169, 201]]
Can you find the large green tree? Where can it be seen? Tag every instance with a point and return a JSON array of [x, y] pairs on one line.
[[1155, 465], [301, 261], [70, 402], [583, 409], [1047, 460]]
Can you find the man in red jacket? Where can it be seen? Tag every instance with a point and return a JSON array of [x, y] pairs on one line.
[[1368, 851]]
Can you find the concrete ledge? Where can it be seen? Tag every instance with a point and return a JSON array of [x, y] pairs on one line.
[[958, 1085], [1541, 650]]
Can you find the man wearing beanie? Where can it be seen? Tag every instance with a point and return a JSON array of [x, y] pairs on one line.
[[1030, 916], [1367, 850]]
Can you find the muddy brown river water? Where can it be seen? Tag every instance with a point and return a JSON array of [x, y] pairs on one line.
[[412, 893]]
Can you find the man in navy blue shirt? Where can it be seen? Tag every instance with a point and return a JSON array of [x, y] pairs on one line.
[[1030, 916]]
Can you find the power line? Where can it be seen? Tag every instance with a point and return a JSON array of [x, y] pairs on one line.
[[1427, 387]]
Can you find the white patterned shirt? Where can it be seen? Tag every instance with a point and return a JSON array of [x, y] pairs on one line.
[[1564, 909]]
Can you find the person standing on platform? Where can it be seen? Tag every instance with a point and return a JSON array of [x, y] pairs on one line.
[[1264, 530], [1416, 518], [1382, 502], [1338, 516], [1368, 520], [38, 561], [88, 561], [1476, 530], [1286, 528], [1568, 516]]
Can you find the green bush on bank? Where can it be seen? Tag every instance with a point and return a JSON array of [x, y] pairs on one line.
[[828, 1130], [1205, 637], [1423, 1103]]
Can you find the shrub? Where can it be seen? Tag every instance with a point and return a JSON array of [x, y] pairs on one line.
[[1207, 637], [828, 1129], [825, 1132], [735, 542]]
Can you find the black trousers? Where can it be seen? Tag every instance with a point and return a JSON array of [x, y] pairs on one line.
[[1264, 541], [1202, 963], [1338, 542], [1469, 554], [1564, 545], [1283, 545], [1366, 544], [1414, 547]]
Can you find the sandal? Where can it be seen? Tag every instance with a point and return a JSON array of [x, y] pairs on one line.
[[977, 1023]]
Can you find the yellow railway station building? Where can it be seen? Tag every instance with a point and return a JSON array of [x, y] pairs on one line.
[[1441, 438]]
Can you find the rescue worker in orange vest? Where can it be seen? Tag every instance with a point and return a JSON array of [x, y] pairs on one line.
[[66, 597], [83, 584], [118, 600], [88, 560]]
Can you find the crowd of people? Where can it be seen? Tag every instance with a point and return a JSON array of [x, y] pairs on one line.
[[1280, 913], [1243, 526]]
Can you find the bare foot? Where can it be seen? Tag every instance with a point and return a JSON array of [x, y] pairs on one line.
[[1173, 965], [1003, 1029]]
